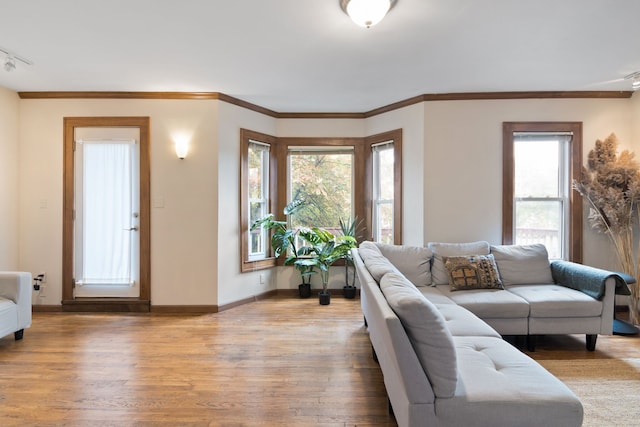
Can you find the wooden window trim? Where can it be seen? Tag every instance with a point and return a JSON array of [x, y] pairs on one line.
[[396, 137], [279, 175], [575, 165], [246, 136]]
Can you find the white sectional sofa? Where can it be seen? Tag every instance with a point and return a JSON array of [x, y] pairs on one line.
[[440, 345], [15, 303]]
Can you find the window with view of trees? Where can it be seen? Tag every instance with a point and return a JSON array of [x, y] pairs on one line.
[[336, 178], [323, 178], [256, 201], [383, 192], [258, 197], [540, 162]]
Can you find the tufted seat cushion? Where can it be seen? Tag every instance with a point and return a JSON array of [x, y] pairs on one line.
[[462, 322], [500, 386], [557, 301], [489, 303]]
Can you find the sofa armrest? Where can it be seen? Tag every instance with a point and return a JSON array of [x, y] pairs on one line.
[[16, 286], [589, 280], [597, 283]]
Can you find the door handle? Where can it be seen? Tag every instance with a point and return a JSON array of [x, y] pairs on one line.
[[131, 229]]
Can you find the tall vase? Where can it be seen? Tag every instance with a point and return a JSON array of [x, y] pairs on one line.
[[634, 317]]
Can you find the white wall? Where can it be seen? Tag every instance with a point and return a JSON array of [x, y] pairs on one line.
[[9, 160], [183, 239], [463, 161], [452, 176], [233, 285], [411, 121]]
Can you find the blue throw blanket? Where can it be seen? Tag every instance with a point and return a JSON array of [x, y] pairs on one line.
[[589, 280]]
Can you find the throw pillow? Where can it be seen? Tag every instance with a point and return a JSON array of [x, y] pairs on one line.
[[412, 261], [439, 274], [523, 264], [473, 272]]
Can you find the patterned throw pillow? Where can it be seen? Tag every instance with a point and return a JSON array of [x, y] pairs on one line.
[[472, 272]]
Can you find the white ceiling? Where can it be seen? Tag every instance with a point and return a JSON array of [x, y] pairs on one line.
[[307, 55]]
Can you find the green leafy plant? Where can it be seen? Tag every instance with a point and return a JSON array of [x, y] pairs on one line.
[[352, 227], [283, 239], [325, 249]]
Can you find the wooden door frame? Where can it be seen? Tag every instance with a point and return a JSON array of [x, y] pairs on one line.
[[143, 302]]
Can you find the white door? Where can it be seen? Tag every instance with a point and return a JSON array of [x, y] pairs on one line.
[[107, 206]]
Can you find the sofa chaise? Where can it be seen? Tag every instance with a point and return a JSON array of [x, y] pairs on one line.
[[15, 303], [440, 346]]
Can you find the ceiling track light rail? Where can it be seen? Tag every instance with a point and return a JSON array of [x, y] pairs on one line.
[[10, 59]]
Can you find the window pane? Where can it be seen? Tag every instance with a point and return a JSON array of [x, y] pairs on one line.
[[385, 171], [540, 222], [325, 181], [255, 172], [384, 216], [258, 189], [536, 167]]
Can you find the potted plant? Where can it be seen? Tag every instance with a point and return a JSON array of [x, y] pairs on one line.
[[350, 228], [283, 241], [325, 249]]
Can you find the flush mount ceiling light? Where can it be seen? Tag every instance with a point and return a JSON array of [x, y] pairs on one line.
[[367, 13], [11, 58], [635, 78]]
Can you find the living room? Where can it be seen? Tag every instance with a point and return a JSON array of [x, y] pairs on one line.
[[452, 157]]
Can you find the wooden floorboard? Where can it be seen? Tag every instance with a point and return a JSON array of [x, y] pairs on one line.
[[281, 361]]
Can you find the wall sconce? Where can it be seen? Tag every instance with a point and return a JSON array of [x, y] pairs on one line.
[[181, 145]]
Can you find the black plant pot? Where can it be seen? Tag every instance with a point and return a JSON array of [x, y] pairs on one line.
[[304, 289], [324, 297], [349, 292]]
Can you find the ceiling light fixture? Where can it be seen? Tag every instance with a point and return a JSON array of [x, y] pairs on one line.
[[11, 58], [635, 77], [367, 13], [9, 64]]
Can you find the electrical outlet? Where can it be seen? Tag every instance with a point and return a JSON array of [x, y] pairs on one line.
[[42, 293], [262, 279], [42, 277]]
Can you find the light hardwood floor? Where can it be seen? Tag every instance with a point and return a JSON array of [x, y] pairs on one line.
[[280, 361]]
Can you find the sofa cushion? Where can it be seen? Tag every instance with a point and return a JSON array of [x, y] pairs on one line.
[[490, 303], [427, 331], [434, 295], [522, 264], [377, 264], [557, 301], [472, 272], [412, 261], [500, 386], [462, 322], [439, 275]]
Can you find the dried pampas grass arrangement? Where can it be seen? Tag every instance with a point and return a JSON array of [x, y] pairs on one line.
[[611, 185]]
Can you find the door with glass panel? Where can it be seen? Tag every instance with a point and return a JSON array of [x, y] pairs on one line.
[[107, 213]]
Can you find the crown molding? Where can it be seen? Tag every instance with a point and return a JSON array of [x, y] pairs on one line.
[[469, 96]]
